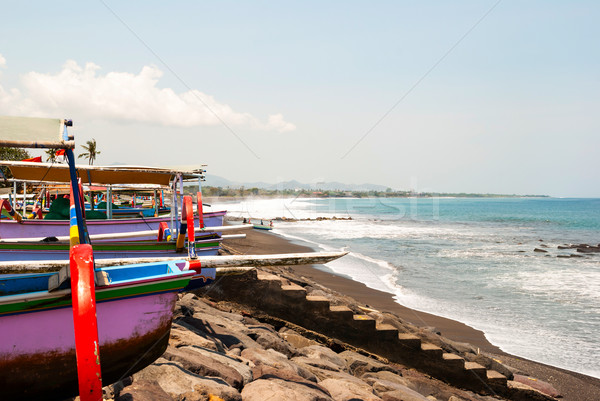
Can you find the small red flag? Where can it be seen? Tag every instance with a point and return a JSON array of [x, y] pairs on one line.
[[60, 152], [33, 159]]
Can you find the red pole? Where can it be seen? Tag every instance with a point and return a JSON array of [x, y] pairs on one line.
[[87, 345], [200, 210]]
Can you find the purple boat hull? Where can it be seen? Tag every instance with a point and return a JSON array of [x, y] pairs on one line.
[[57, 228], [39, 348]]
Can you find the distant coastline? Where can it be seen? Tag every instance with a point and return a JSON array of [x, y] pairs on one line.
[[242, 192]]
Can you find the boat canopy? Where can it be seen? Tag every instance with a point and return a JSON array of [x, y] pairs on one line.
[[33, 132], [97, 175]]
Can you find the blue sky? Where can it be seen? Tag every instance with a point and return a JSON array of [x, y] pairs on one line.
[[466, 96]]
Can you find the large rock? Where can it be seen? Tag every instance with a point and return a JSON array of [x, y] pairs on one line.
[[317, 363], [404, 395], [323, 353], [143, 390], [210, 363], [182, 334], [537, 384], [230, 333], [295, 339], [384, 381], [349, 390], [276, 389], [269, 338], [358, 364], [182, 384], [271, 362]]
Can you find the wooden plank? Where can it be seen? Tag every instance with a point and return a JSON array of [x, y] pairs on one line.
[[222, 261]]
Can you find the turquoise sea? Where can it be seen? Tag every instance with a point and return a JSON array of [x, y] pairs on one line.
[[471, 260]]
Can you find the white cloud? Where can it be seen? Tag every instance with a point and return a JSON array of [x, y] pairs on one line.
[[2, 61], [123, 96]]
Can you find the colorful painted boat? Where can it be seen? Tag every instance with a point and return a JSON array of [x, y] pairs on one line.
[[134, 308], [54, 228], [110, 176], [206, 245]]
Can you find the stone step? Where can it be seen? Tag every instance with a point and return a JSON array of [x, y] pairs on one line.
[[294, 291], [318, 303], [365, 322], [496, 378], [454, 361], [341, 312], [409, 341], [476, 369], [386, 332], [432, 351], [267, 276]]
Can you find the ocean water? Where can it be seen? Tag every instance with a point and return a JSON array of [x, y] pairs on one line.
[[471, 260]]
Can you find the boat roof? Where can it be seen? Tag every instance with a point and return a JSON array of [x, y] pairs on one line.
[[98, 175], [33, 132]]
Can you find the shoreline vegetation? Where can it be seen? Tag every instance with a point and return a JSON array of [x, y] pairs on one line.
[[235, 193]]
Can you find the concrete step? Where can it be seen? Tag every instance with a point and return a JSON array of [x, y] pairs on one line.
[[341, 312], [267, 276], [454, 361], [409, 341], [476, 369], [386, 332], [294, 291], [496, 378], [432, 351], [364, 322], [317, 303]]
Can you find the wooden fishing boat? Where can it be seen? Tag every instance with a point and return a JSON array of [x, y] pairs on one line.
[[37, 345], [208, 244], [111, 177], [52, 344]]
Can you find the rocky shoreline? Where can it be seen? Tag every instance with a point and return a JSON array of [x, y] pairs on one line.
[[244, 338], [226, 351]]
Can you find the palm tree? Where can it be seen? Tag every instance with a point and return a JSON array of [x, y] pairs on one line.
[[91, 151], [51, 155]]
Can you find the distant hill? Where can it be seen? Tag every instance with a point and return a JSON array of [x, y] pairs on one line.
[[216, 181]]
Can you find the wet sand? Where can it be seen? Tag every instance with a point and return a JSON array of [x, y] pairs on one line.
[[572, 386]]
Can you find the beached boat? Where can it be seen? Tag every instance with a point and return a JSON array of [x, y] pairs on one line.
[[261, 224], [37, 344], [206, 244], [124, 176], [51, 345]]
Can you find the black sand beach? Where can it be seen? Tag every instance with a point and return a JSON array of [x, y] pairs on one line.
[[571, 385]]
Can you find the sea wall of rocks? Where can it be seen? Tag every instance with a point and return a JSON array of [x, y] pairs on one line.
[[237, 340]]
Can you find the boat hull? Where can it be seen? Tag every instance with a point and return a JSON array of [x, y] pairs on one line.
[[104, 250], [56, 228], [37, 353]]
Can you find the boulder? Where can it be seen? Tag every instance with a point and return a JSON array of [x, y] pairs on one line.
[[182, 384], [295, 339], [319, 352], [317, 363], [269, 339], [229, 333], [143, 390], [404, 395], [384, 381], [358, 364], [271, 362], [349, 390], [182, 336], [537, 384], [277, 389], [540, 250], [210, 363]]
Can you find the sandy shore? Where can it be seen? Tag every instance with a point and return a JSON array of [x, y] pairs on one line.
[[572, 386]]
